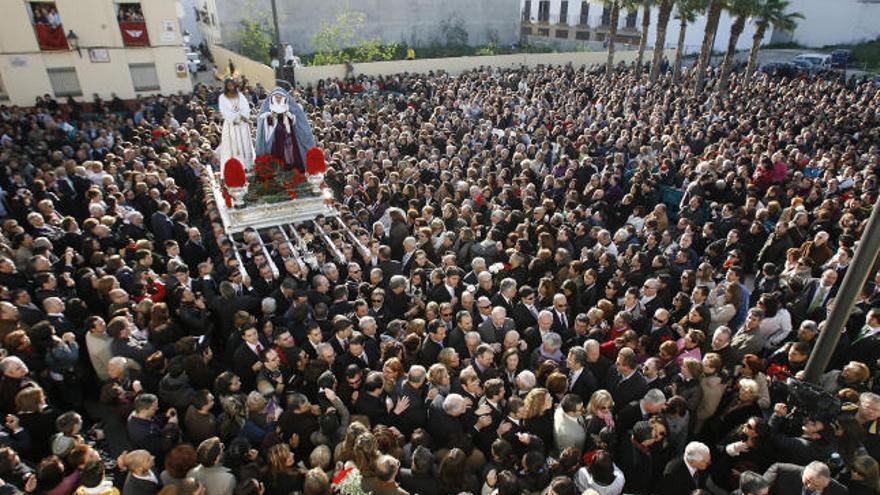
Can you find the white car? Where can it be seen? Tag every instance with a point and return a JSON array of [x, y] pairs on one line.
[[819, 61]]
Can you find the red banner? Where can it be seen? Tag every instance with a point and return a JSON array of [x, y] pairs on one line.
[[50, 38], [134, 33]]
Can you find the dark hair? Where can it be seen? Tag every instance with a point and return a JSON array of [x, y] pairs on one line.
[[602, 467], [92, 474], [751, 483], [50, 472], [507, 483]]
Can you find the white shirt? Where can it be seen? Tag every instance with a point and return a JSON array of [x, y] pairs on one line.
[[574, 377]]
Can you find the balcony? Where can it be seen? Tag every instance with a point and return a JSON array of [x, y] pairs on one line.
[[47, 26], [132, 25]]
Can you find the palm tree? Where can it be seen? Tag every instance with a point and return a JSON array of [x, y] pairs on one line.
[[769, 13], [741, 10], [712, 17], [686, 13], [660, 40], [612, 33], [646, 23]]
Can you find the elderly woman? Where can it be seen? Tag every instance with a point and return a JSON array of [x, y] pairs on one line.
[[549, 350]]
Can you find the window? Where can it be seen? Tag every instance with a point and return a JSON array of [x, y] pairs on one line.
[[562, 34], [47, 26], [527, 11], [526, 30], [132, 24], [543, 31], [585, 13], [606, 16], [563, 13], [64, 82], [631, 18], [144, 77], [582, 35], [544, 11]]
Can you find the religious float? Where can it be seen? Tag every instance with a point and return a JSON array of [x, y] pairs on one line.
[[270, 188]]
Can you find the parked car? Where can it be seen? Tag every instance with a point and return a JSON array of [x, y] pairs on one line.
[[841, 58], [782, 69], [819, 61], [804, 67], [194, 61]]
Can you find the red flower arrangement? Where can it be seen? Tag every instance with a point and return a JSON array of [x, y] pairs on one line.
[[233, 173], [273, 179], [315, 163]]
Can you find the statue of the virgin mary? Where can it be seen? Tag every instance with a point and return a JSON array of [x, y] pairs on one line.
[[283, 130], [235, 141]]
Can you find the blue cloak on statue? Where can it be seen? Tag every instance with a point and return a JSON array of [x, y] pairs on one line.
[[283, 130]]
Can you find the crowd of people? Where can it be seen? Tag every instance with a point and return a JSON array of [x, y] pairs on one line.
[[556, 283]]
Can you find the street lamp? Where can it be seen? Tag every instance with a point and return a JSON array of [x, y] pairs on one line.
[[73, 41]]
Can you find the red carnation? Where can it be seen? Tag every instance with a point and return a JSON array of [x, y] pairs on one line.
[[233, 173], [292, 194], [315, 163], [298, 178]]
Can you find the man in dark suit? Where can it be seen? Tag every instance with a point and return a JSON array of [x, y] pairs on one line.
[[525, 312], [627, 384], [581, 380], [791, 479], [493, 330], [194, 251], [651, 299], [247, 359], [356, 354], [161, 224], [865, 346], [433, 343], [140, 480], [562, 319], [450, 290], [444, 419], [810, 303], [419, 478], [657, 329], [505, 296], [389, 267], [634, 458], [687, 473], [265, 284], [630, 414], [226, 305]]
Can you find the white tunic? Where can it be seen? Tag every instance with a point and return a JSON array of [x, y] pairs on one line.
[[236, 138]]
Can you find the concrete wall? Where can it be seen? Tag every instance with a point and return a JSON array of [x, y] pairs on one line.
[[311, 75], [843, 22], [416, 22], [23, 66]]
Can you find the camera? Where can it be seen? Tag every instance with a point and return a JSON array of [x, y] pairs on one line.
[[812, 401]]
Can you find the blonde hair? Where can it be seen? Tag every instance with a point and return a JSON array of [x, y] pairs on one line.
[[599, 400], [694, 367], [438, 374], [533, 406]]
